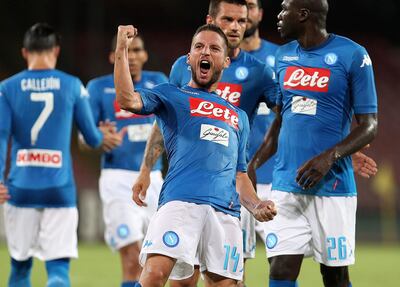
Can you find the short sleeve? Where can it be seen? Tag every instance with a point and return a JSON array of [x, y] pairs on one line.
[[244, 135], [363, 91]]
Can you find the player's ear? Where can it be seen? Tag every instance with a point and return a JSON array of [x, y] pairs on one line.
[[260, 14], [304, 14], [209, 19], [227, 62], [111, 57], [56, 51], [24, 53], [145, 56]]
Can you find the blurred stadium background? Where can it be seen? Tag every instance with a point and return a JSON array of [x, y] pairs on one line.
[[87, 27]]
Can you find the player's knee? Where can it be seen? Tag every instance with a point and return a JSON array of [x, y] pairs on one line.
[[58, 273], [190, 282], [335, 276], [156, 276], [284, 268]]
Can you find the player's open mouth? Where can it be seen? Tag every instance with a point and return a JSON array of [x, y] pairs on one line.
[[204, 67]]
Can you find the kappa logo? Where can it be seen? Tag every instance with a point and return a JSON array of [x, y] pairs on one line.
[[270, 60], [149, 85], [290, 58], [39, 158], [307, 79], [230, 92], [206, 109], [123, 115], [366, 61]]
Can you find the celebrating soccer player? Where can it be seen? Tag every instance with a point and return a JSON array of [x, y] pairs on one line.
[[205, 139]]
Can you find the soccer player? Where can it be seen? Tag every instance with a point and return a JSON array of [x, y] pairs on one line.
[[37, 108], [324, 79], [245, 83], [205, 139], [126, 223]]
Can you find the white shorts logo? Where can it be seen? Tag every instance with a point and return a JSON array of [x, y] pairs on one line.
[[39, 158], [303, 105], [214, 134], [139, 133]]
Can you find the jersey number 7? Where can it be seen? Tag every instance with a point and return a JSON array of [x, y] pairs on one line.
[[48, 99]]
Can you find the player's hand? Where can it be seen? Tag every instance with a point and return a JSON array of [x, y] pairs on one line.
[[140, 187], [111, 138], [125, 36], [264, 211], [310, 173], [251, 172], [364, 165], [4, 196]]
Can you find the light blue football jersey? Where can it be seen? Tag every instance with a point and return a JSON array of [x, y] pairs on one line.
[[37, 109], [321, 89], [205, 139]]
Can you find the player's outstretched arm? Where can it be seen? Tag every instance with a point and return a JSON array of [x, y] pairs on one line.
[[261, 210], [4, 196], [267, 149], [127, 98], [153, 151], [316, 168]]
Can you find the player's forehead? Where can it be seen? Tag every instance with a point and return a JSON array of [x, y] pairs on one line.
[[290, 3], [136, 43], [208, 37], [252, 3], [232, 10]]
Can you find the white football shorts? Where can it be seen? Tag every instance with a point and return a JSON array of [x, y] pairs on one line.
[[318, 226], [186, 231], [125, 221], [45, 233]]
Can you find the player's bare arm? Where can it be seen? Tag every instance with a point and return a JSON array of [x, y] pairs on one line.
[[261, 210], [316, 168], [267, 148], [154, 149], [126, 96]]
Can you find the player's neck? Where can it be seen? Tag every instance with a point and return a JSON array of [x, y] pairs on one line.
[[313, 38], [210, 89], [137, 77], [41, 62], [233, 53], [251, 43]]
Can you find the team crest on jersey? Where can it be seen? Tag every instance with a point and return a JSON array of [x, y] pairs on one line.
[[330, 58], [170, 239], [207, 109], [230, 92], [307, 79], [214, 134], [270, 60], [242, 73]]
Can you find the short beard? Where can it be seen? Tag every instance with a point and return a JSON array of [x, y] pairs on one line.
[[251, 31], [215, 77]]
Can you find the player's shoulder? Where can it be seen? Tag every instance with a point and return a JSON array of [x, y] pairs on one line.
[[181, 61], [13, 78], [269, 45], [101, 80], [346, 44], [156, 76]]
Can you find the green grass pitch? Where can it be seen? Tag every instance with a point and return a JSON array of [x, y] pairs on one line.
[[97, 266]]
